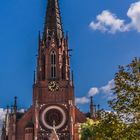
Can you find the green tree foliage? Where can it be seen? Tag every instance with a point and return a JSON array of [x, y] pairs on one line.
[[89, 130], [124, 124], [108, 128], [127, 92]]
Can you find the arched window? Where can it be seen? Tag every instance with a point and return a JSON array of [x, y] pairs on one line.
[[53, 64]]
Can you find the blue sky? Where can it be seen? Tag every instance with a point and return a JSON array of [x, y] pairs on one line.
[[99, 45]]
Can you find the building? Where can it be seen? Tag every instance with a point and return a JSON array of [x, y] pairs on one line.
[[53, 114]]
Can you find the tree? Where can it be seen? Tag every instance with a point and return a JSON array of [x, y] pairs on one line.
[[126, 102], [89, 130], [127, 92], [111, 127], [124, 124], [108, 128]]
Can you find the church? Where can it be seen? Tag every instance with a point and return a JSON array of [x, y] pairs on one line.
[[53, 114]]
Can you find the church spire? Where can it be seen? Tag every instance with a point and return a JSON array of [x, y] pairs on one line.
[[92, 108], [15, 104], [53, 24]]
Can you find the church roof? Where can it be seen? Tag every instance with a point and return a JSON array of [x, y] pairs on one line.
[[29, 125], [19, 115], [53, 24], [80, 117]]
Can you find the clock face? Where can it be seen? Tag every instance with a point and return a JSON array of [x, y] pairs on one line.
[[53, 116], [53, 86]]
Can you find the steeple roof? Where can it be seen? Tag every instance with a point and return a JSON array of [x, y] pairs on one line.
[[53, 24]]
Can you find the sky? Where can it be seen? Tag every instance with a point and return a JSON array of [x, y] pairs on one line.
[[102, 33]]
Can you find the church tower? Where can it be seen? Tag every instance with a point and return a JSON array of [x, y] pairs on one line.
[[53, 112], [53, 90]]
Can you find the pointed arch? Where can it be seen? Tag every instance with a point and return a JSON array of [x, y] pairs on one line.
[[53, 64]]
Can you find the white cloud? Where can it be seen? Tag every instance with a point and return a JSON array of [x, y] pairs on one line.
[[108, 88], [134, 14], [22, 110], [93, 91], [2, 117], [104, 90], [109, 22], [82, 100], [2, 113]]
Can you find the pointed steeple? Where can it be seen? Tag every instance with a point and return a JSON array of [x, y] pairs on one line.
[[92, 108], [34, 77], [15, 104], [53, 24]]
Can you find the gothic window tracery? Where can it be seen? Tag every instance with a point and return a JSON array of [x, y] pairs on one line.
[[53, 64]]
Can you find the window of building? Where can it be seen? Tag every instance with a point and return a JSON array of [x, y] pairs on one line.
[[53, 64]]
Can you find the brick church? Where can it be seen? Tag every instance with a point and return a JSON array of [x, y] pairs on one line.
[[53, 114]]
